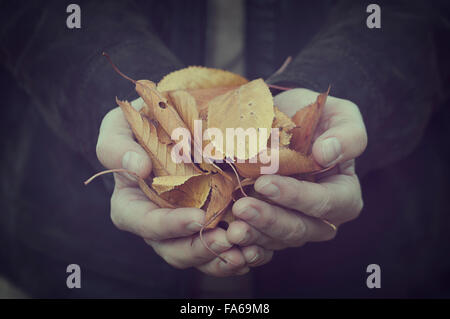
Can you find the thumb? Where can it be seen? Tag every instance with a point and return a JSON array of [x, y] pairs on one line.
[[344, 139], [116, 147]]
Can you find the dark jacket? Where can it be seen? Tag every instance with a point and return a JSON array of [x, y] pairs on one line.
[[56, 88]]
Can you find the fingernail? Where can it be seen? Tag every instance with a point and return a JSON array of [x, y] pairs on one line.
[[251, 256], [247, 212], [245, 239], [132, 161], [266, 188], [331, 150], [194, 227]]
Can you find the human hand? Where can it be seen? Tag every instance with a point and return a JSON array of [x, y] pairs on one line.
[[307, 208], [172, 233]]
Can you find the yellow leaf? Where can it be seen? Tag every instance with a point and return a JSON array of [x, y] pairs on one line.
[[249, 106], [203, 96], [285, 124], [282, 121], [196, 77]]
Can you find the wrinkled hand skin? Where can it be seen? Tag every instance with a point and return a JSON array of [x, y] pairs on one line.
[[172, 233], [335, 196]]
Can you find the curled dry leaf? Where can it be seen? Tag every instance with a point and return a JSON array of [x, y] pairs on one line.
[[221, 196], [153, 196], [160, 154], [163, 137], [192, 193], [306, 120], [290, 162], [162, 184], [186, 107], [162, 111]]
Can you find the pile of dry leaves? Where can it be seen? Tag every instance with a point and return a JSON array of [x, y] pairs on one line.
[[219, 99]]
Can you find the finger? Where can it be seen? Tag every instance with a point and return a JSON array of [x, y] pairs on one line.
[[236, 266], [284, 225], [191, 251], [116, 147], [289, 102], [336, 198], [344, 134], [243, 234], [257, 256], [132, 211]]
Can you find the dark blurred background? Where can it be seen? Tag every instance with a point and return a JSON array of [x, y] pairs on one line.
[[56, 87]]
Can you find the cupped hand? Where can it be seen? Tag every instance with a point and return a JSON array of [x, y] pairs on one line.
[[307, 211], [172, 233]]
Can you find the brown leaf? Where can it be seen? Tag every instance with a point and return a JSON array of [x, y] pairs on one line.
[[163, 137], [221, 196], [186, 107], [290, 162], [162, 111], [162, 184], [147, 112], [306, 120], [191, 193], [153, 196], [160, 154]]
